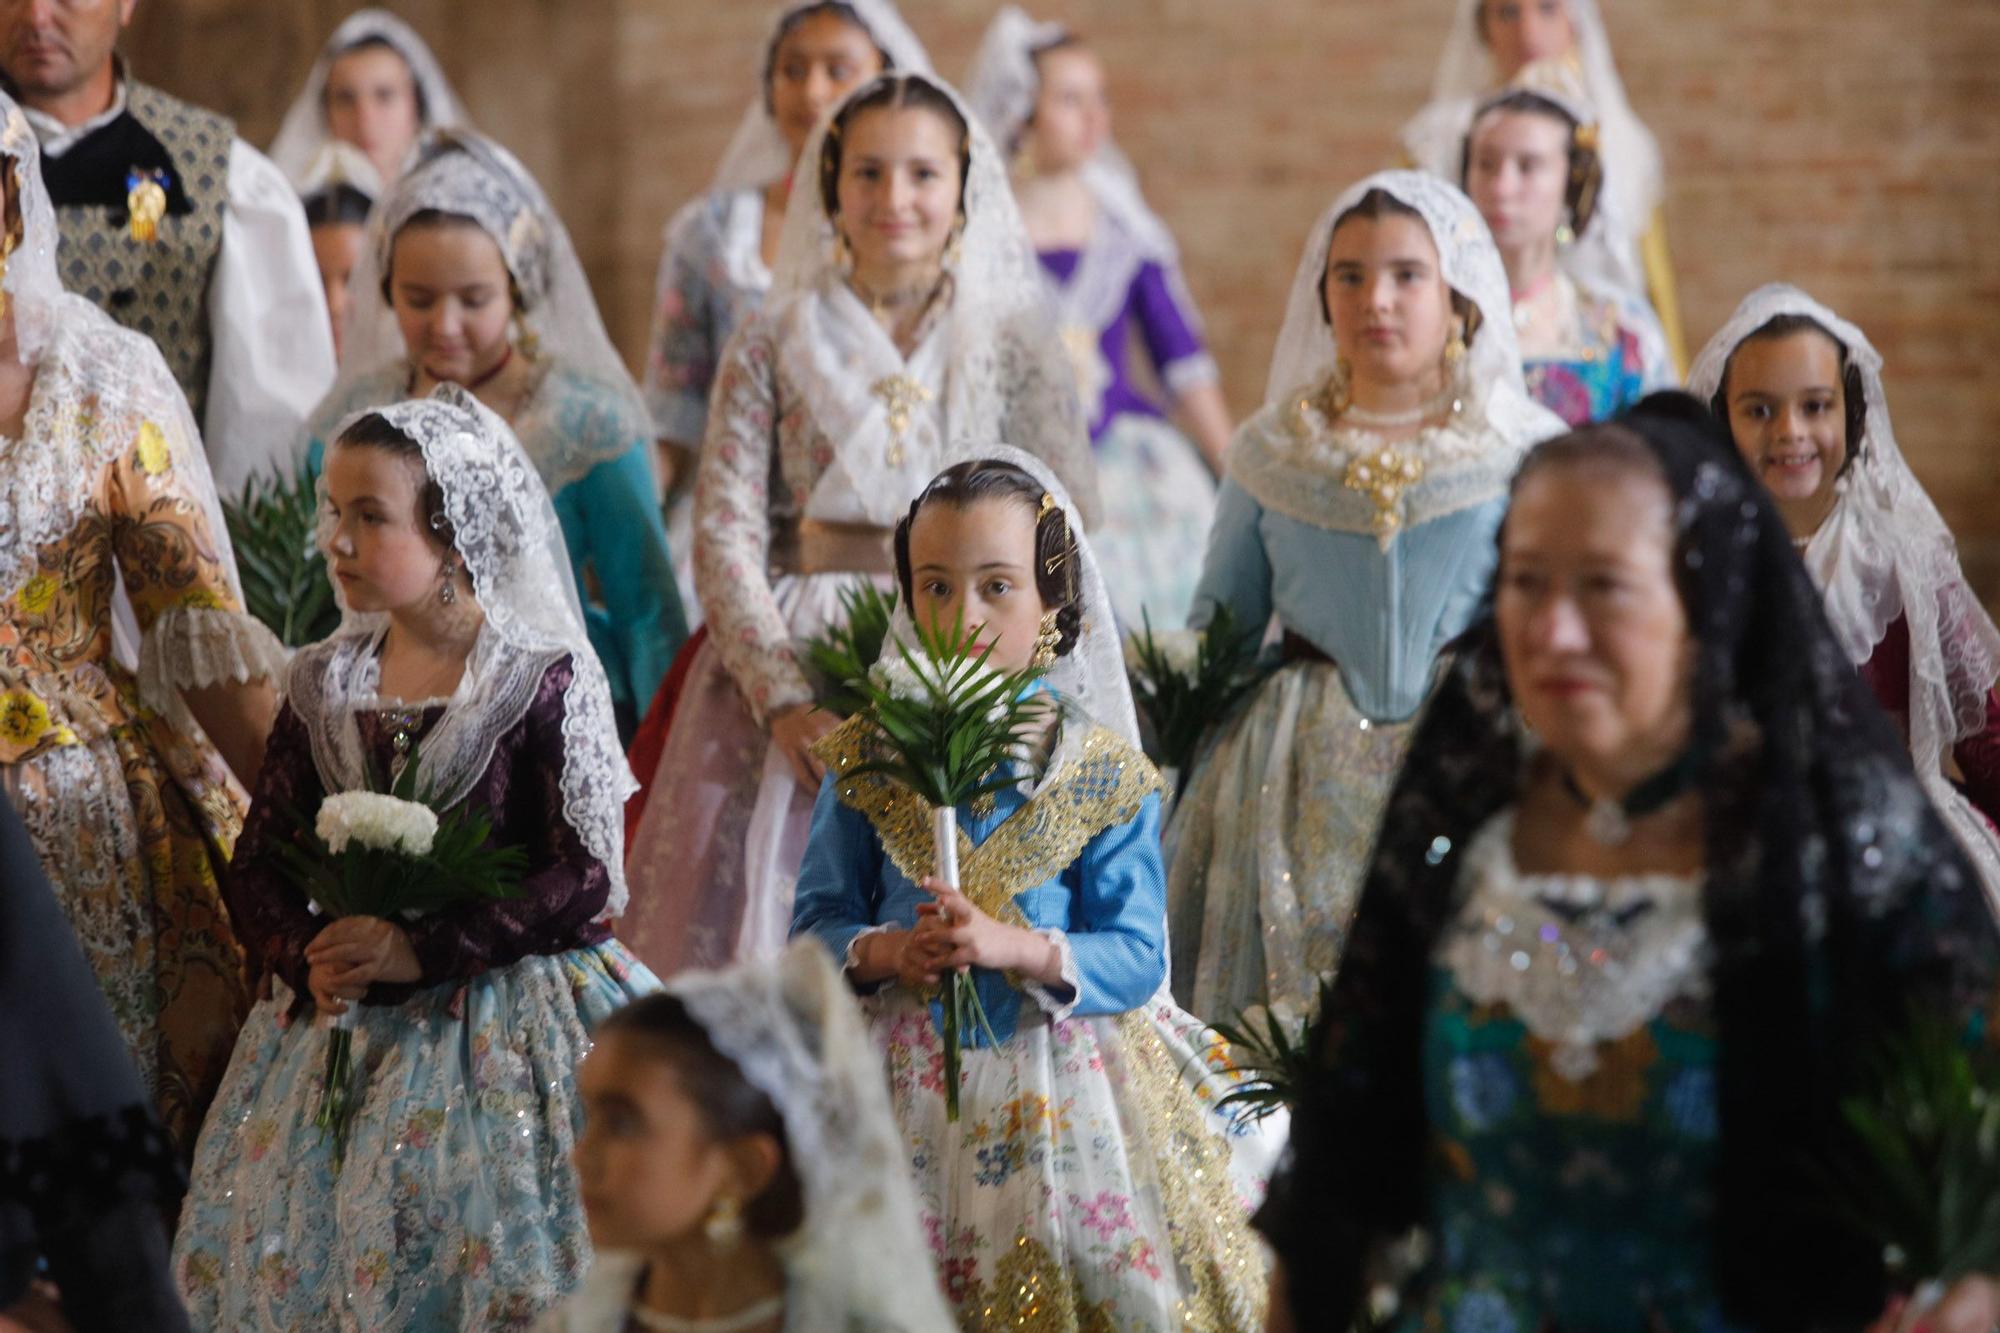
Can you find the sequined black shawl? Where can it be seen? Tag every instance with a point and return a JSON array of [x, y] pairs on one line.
[[1834, 899]]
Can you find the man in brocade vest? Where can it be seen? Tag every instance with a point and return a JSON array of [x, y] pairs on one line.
[[177, 229]]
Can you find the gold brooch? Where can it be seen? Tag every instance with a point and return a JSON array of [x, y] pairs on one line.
[[1383, 477], [145, 202], [902, 396]]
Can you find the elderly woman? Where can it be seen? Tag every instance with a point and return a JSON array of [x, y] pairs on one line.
[[1654, 878]]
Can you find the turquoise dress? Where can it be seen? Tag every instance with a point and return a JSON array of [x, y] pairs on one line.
[[598, 469], [1569, 1064]]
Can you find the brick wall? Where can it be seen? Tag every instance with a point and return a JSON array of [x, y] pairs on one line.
[[1851, 146]]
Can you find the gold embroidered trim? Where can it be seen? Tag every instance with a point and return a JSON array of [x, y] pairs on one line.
[[1100, 786], [1213, 1245], [1030, 1290]]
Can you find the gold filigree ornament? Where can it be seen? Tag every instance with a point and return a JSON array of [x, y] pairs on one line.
[[145, 203], [1384, 476], [902, 396]]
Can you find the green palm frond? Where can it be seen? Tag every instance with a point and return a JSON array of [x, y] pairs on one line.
[[285, 584], [1180, 706], [842, 657], [953, 743], [1275, 1054], [1921, 1173]]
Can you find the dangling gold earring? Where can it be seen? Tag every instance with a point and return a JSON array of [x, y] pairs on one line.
[[843, 258], [724, 1224], [525, 339], [1023, 166], [954, 249], [6, 253], [1565, 232], [1047, 640], [1340, 387], [1454, 348]]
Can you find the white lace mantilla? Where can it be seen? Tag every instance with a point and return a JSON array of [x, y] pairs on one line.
[[1580, 961], [506, 532], [792, 1027]]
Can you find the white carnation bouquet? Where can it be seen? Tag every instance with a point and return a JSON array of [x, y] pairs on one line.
[[389, 855], [948, 723]]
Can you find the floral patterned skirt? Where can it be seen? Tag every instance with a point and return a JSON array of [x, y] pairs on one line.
[[1269, 843], [1159, 502], [457, 1207], [134, 826], [1088, 1181], [715, 861]]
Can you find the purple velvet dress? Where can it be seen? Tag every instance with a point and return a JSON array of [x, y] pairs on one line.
[[457, 1206], [1159, 496]]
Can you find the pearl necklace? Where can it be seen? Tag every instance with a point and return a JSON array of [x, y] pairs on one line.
[[1362, 419], [750, 1316]]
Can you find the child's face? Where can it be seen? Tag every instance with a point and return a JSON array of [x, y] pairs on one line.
[[979, 561], [1788, 415], [649, 1169], [452, 299], [899, 187], [383, 554], [336, 249]]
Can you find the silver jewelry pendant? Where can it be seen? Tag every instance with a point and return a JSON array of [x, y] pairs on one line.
[[1607, 824]]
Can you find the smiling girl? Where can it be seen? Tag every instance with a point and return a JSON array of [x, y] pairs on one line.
[[716, 267], [906, 317], [1359, 510], [1800, 391]]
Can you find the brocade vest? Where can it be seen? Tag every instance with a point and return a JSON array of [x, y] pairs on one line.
[[157, 287]]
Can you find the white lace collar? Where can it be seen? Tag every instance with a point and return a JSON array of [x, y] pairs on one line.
[[1580, 961]]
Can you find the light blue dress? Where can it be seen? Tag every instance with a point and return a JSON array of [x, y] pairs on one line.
[[596, 464], [1109, 904], [1267, 847]]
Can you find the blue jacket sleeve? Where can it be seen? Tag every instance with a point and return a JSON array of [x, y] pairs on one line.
[[1118, 931], [611, 524], [840, 881], [1237, 570]]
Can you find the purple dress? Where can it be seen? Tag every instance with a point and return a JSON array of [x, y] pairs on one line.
[[1159, 496], [457, 1206]]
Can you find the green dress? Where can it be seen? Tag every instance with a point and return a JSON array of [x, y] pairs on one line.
[[1569, 1063]]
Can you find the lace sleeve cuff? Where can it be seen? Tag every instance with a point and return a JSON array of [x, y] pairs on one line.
[[1190, 372], [192, 647], [851, 959], [1058, 1002]]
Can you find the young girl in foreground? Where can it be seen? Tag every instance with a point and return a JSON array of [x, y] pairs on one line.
[[1085, 1182], [740, 1165], [462, 649]]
